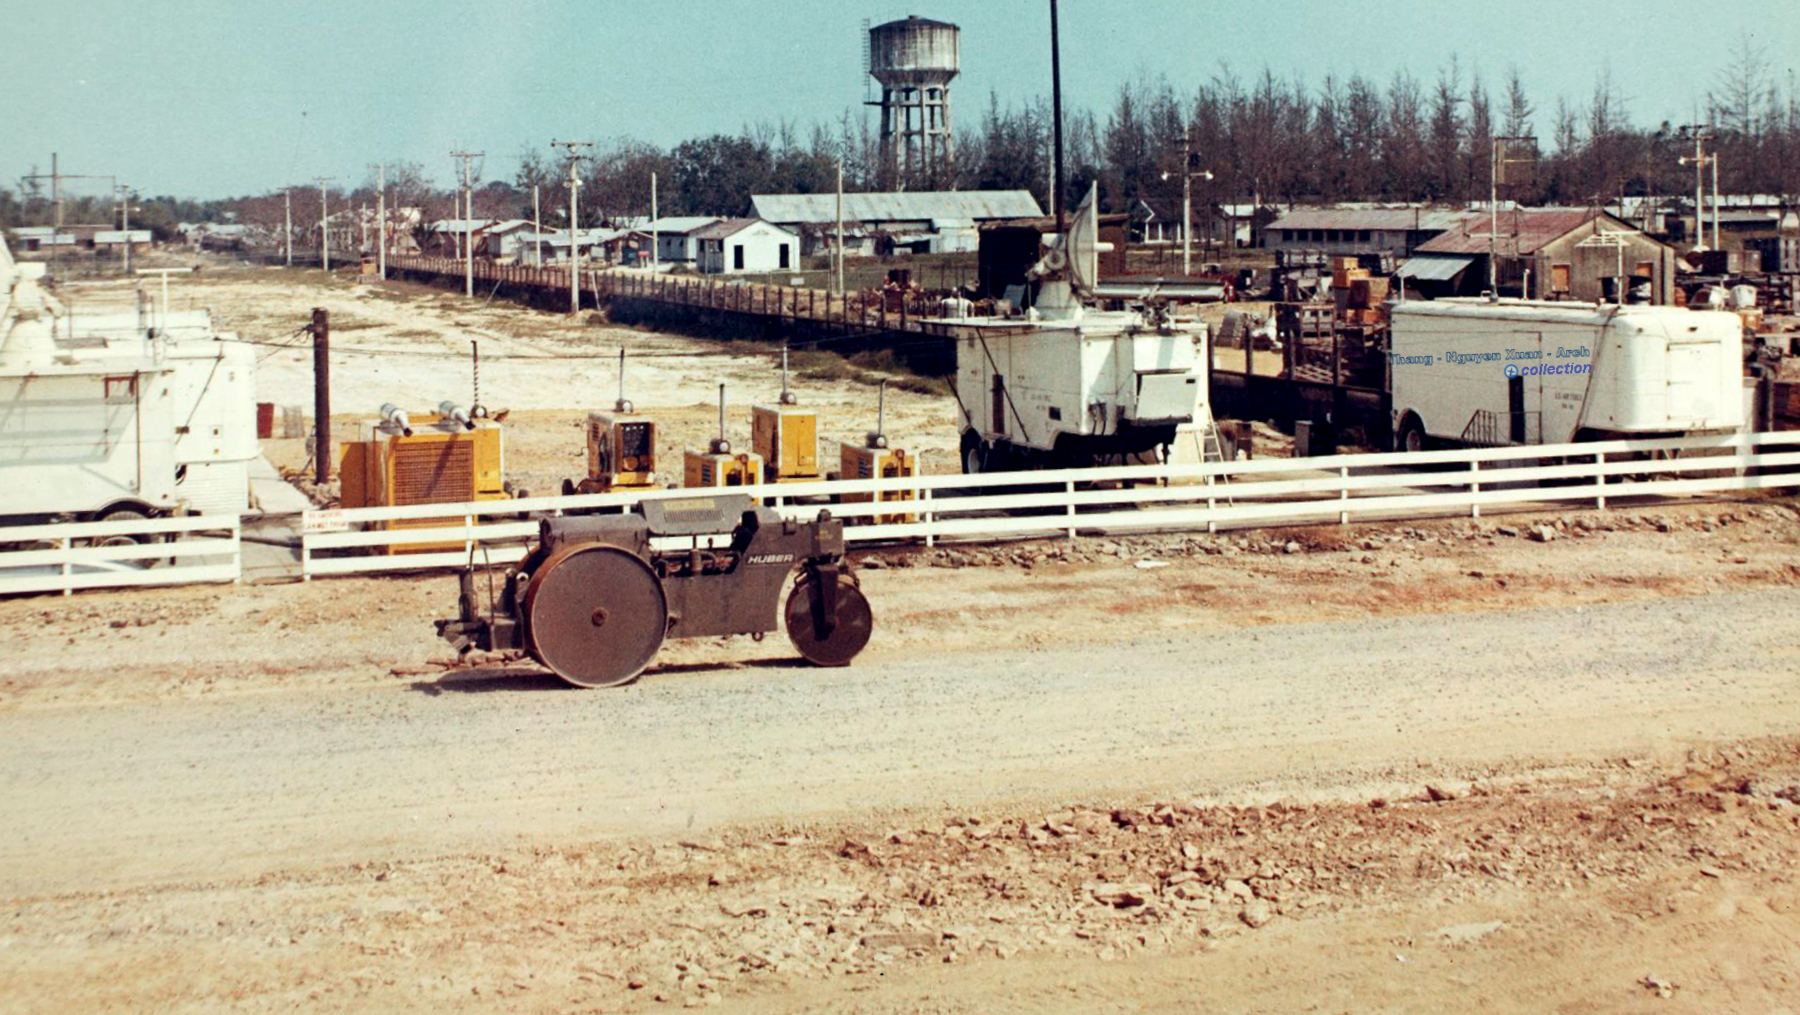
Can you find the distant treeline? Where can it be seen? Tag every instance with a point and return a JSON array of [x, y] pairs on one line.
[[1270, 139]]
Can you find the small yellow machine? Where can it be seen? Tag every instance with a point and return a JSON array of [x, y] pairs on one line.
[[717, 466], [621, 448], [786, 436], [873, 458], [450, 458]]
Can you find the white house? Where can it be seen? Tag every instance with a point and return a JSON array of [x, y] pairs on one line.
[[733, 246], [675, 236]]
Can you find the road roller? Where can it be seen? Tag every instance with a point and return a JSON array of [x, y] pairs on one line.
[[596, 596]]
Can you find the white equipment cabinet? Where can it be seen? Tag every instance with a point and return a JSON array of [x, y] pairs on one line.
[[1065, 385], [1519, 372], [99, 414]]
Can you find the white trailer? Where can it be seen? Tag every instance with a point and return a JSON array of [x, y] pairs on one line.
[[1064, 385], [99, 418], [1476, 372]]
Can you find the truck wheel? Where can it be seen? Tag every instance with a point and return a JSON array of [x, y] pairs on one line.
[[1412, 435], [128, 514], [974, 454]]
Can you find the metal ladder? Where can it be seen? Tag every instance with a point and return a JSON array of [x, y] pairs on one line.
[[1212, 449]]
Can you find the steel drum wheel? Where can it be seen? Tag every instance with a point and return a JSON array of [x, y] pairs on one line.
[[841, 644], [595, 615]]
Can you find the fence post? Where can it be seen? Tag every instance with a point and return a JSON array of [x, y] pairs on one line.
[[1069, 491], [305, 552], [237, 549], [1474, 487], [930, 518], [469, 535], [68, 566], [1344, 495], [1599, 481], [1212, 503]]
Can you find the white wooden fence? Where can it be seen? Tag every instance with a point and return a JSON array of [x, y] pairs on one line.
[[66, 556], [1132, 499]]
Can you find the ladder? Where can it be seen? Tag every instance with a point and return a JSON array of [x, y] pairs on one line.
[[1212, 449]]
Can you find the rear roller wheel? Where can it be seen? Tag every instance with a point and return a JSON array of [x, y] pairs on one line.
[[840, 643], [595, 615]]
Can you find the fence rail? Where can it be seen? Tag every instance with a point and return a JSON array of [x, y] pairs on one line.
[[66, 556], [1113, 500]]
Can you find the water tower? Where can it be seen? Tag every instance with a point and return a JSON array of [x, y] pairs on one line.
[[914, 60]]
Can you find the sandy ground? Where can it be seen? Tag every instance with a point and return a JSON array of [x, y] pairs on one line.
[[411, 345], [1530, 763]]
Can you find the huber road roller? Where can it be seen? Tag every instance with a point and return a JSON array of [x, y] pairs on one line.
[[595, 597]]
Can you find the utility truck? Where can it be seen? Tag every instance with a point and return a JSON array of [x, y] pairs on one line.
[[1480, 372], [1061, 384], [118, 414]]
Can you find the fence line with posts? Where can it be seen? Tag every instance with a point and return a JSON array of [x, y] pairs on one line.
[[66, 556], [1111, 501]]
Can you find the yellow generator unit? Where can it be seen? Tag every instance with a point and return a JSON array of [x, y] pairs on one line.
[[717, 466], [449, 458], [873, 459], [621, 453], [712, 469], [787, 439]]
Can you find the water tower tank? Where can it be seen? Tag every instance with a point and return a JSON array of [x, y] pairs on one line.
[[914, 60]]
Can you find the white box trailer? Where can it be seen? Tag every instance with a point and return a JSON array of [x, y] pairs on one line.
[[1069, 394], [96, 418], [87, 439], [1476, 372]]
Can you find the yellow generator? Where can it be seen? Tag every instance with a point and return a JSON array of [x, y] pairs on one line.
[[873, 459], [717, 466], [621, 448], [449, 458], [621, 453], [786, 437]]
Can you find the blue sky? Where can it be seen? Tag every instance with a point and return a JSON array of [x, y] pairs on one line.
[[210, 99]]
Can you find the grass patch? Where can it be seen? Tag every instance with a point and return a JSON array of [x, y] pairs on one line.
[[415, 333], [870, 367]]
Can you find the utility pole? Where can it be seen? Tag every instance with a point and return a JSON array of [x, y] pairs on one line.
[[324, 224], [125, 226], [653, 250], [838, 247], [1498, 160], [320, 329], [1700, 134], [287, 207], [381, 214], [468, 222], [573, 147], [537, 227]]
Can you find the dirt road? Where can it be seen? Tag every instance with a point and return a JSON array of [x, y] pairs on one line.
[[239, 787]]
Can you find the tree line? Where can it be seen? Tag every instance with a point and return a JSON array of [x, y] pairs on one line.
[[1267, 139]]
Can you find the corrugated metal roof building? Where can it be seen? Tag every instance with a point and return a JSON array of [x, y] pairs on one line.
[[922, 221], [1341, 230]]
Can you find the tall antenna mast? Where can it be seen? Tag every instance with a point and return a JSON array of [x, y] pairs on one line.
[[1056, 183]]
